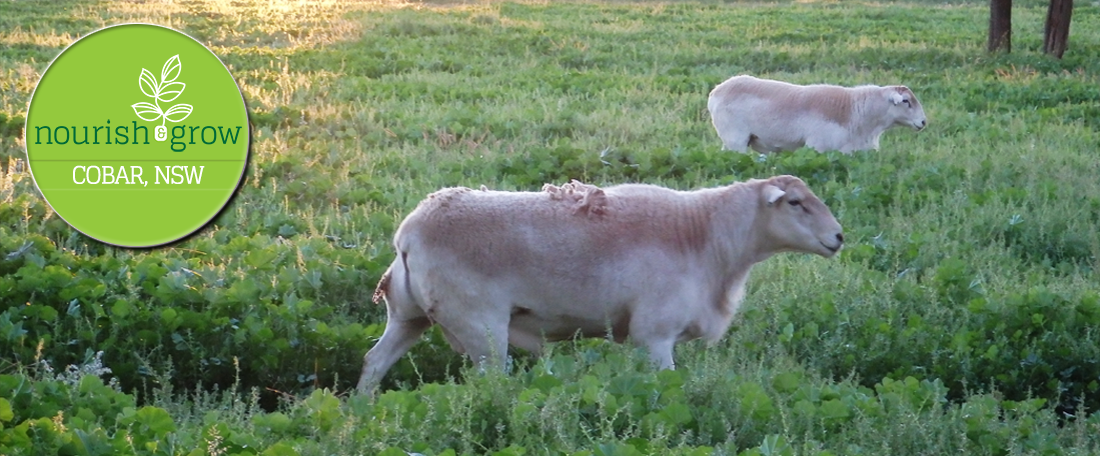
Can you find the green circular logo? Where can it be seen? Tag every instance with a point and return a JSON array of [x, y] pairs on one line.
[[137, 135]]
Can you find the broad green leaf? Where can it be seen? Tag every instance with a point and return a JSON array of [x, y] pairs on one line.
[[835, 409], [756, 401], [786, 382], [168, 316], [670, 378], [280, 449], [121, 308], [5, 410], [272, 422], [94, 442], [546, 382], [775, 445], [676, 413], [260, 258]]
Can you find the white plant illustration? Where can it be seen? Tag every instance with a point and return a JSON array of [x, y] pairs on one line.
[[164, 91]]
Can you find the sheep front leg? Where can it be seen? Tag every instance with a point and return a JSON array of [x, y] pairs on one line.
[[657, 337]]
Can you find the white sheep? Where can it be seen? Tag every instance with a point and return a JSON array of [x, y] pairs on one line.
[[657, 265], [774, 116]]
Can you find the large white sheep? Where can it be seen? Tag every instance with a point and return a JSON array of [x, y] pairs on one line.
[[774, 116], [657, 265]]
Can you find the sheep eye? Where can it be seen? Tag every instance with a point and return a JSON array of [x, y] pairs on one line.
[[794, 202], [907, 103]]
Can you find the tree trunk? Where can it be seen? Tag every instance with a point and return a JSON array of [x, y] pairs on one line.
[[1056, 31], [1000, 25]]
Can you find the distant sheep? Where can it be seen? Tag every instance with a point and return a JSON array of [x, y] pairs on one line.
[[657, 265], [774, 116]]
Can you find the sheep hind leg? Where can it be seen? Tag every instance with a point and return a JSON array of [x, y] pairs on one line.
[[733, 138], [397, 339], [484, 339]]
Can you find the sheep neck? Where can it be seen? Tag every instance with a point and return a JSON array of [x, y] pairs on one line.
[[867, 105], [739, 244]]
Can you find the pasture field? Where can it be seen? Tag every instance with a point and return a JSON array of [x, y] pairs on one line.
[[962, 317]]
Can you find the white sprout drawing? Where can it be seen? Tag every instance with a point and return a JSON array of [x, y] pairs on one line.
[[165, 91]]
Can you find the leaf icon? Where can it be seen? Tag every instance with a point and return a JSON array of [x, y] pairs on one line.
[[178, 112], [171, 91], [147, 111], [148, 84], [171, 70]]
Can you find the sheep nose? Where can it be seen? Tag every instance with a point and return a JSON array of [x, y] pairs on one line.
[[840, 238], [923, 123]]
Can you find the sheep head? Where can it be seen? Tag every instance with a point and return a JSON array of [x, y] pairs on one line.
[[795, 220], [905, 109]]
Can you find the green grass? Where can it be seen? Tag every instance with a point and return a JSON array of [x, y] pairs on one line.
[[962, 316]]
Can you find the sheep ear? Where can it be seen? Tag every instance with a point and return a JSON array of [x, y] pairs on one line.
[[896, 96], [772, 194]]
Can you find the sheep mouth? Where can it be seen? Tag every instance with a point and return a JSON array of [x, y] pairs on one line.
[[832, 249]]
